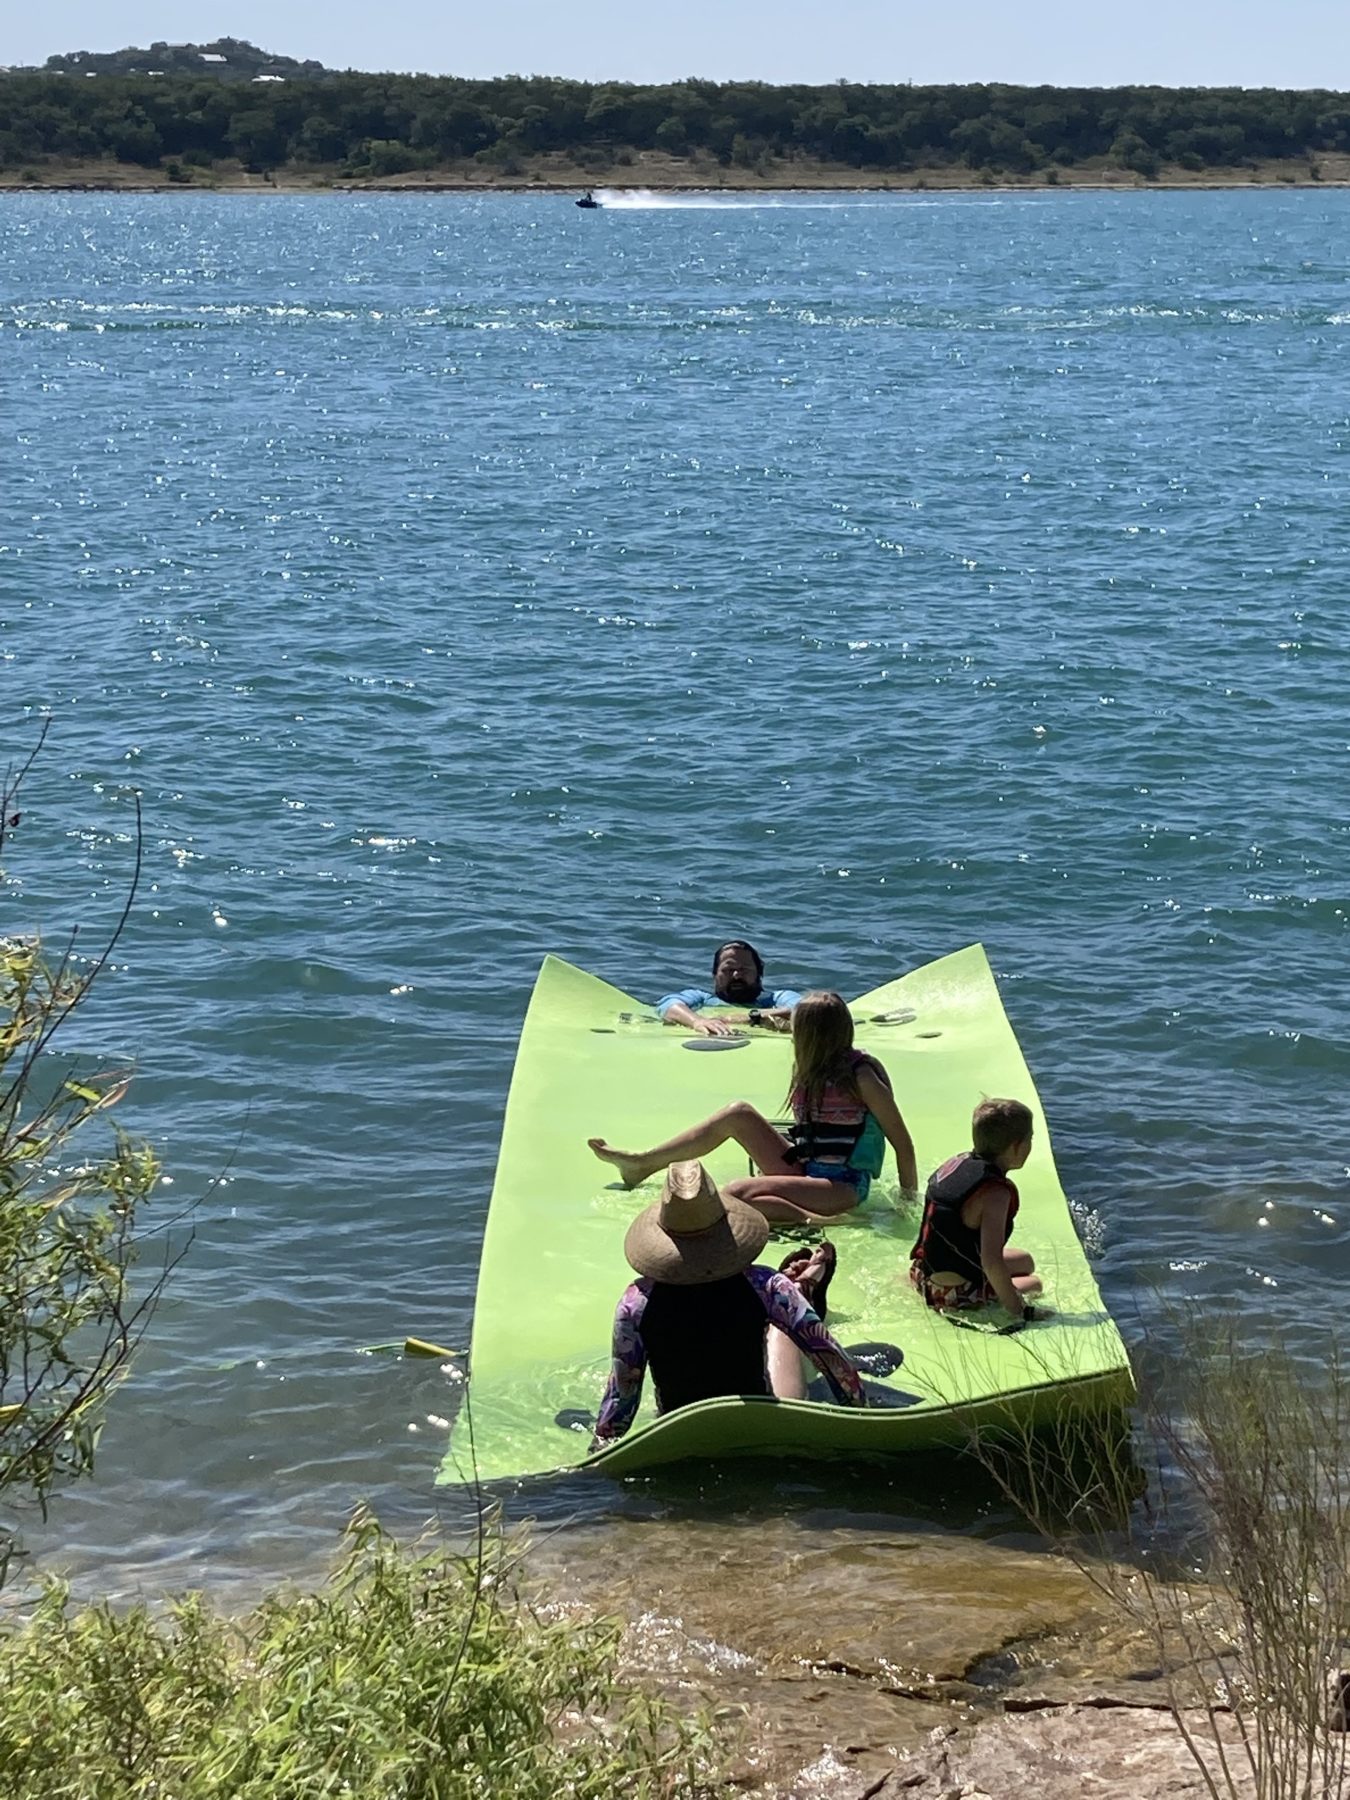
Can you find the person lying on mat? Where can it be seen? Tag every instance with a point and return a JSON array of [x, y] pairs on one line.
[[706, 1318], [737, 980], [844, 1114], [962, 1257]]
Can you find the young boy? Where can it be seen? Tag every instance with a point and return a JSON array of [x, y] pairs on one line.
[[962, 1257]]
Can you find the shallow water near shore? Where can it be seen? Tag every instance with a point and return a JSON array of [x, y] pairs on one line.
[[462, 578]]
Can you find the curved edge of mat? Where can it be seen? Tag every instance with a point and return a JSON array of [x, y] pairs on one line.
[[810, 1429], [817, 1432]]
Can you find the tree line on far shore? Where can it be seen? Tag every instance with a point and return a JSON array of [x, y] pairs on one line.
[[389, 124]]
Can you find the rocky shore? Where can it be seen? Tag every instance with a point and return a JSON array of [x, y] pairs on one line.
[[857, 1664], [652, 170]]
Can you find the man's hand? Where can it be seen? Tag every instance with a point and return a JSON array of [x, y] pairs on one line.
[[714, 1027]]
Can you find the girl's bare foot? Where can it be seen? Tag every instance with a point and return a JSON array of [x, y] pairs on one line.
[[632, 1169]]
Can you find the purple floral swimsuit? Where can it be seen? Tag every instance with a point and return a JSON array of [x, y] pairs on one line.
[[784, 1306]]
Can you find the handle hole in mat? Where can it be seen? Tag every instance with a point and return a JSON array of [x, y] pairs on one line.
[[715, 1043], [575, 1418]]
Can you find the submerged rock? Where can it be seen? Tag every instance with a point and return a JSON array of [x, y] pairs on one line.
[[854, 1663]]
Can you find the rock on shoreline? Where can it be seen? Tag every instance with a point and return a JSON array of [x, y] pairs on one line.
[[849, 1663]]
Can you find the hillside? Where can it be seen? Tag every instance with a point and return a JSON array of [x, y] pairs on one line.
[[202, 108], [225, 59]]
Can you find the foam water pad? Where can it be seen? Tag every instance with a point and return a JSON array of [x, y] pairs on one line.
[[553, 1267]]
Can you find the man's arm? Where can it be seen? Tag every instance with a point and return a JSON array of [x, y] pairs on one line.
[[623, 1390], [773, 1010], [993, 1236], [778, 1016], [786, 1307], [880, 1102]]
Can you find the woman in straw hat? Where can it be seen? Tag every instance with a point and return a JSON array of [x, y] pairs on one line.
[[707, 1318], [844, 1115]]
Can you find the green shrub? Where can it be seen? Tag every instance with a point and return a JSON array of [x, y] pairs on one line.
[[672, 136], [1130, 151], [411, 1676], [1220, 1528], [71, 1215], [388, 156]]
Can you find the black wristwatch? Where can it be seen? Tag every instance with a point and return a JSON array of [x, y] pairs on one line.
[[756, 1016]]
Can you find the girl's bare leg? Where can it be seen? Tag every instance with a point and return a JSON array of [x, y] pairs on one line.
[[738, 1123], [794, 1199]]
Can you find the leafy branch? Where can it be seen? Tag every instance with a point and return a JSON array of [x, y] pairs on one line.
[[70, 1315]]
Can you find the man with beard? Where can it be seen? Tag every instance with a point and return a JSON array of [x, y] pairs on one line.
[[737, 980]]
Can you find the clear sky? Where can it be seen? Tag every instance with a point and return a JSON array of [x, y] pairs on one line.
[[1248, 43]]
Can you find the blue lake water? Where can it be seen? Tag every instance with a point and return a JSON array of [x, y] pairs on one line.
[[463, 578]]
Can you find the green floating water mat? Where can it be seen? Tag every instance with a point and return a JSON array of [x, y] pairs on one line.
[[593, 1061]]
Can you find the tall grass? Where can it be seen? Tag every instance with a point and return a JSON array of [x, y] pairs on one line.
[[414, 1675], [1220, 1524]]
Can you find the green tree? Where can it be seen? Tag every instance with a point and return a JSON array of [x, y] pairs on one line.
[[672, 136], [319, 141], [1131, 152], [316, 114], [257, 137], [134, 139], [387, 156], [70, 1212]]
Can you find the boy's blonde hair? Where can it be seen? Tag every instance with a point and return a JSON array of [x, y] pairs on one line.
[[998, 1125]]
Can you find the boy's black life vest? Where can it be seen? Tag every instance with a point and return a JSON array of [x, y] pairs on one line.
[[946, 1244], [704, 1341]]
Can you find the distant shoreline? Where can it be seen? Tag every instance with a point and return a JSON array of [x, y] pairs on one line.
[[660, 175]]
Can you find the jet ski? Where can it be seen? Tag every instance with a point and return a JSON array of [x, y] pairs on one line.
[[589, 203]]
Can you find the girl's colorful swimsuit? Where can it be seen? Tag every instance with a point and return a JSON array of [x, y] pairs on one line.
[[836, 1138], [947, 1246], [708, 1340]]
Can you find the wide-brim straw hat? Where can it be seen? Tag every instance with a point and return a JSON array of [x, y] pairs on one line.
[[692, 1234]]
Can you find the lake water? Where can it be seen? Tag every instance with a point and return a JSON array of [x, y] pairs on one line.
[[463, 578]]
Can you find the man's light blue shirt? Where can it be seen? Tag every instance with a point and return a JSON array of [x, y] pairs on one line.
[[697, 998]]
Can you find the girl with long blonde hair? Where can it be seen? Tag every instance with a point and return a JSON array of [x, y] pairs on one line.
[[844, 1114]]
